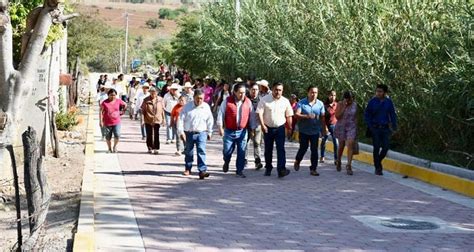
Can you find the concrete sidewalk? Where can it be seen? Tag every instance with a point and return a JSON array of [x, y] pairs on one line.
[[116, 227], [143, 203]]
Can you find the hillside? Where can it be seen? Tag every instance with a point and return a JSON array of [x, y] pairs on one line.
[[114, 15]]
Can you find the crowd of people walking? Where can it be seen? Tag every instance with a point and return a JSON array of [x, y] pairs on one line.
[[246, 113]]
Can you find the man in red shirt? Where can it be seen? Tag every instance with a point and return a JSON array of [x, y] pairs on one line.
[[233, 120]]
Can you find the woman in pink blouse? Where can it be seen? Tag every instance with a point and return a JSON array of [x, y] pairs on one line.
[[111, 111]]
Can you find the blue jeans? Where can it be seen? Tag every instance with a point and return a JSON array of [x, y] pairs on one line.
[[170, 134], [334, 141], [380, 139], [231, 139], [142, 125], [198, 139], [112, 130], [275, 135], [305, 140]]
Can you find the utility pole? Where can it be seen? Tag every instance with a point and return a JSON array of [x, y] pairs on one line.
[[125, 65], [121, 59]]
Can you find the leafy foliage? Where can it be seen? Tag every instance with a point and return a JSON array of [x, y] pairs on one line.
[[19, 11], [166, 13], [67, 120], [422, 49], [96, 43], [153, 23]]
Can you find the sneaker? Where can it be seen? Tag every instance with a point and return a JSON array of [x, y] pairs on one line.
[[167, 141], [284, 173], [203, 175], [321, 160], [225, 167], [178, 153], [172, 141], [150, 151], [155, 152]]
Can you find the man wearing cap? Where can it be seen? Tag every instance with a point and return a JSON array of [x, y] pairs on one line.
[[152, 117], [274, 111], [170, 100], [264, 88], [188, 91], [140, 97], [233, 119], [195, 124]]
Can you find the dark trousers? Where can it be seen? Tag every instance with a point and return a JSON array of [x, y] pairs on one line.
[[152, 136], [275, 135], [380, 139], [305, 140]]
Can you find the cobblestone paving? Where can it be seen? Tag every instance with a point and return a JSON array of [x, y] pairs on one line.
[[299, 212]]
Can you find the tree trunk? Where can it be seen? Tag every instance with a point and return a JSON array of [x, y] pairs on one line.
[[36, 186]]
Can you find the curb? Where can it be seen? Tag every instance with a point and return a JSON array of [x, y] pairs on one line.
[[441, 179], [84, 236]]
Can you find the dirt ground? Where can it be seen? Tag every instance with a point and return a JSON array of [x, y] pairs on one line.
[[64, 179], [113, 15]]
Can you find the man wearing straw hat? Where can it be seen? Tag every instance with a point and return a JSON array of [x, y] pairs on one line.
[[140, 97], [264, 88], [188, 91], [170, 100]]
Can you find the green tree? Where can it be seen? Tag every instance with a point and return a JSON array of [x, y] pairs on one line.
[[422, 49], [96, 43]]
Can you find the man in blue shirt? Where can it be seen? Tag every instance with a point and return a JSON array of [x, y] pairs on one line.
[[381, 119], [310, 114]]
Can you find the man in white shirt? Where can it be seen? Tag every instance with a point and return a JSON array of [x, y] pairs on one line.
[[170, 100], [274, 111], [140, 97], [233, 119], [195, 124]]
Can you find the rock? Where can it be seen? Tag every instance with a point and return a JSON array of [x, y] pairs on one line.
[[75, 135]]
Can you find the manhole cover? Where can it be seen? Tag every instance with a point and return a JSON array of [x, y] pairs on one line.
[[411, 224], [408, 224]]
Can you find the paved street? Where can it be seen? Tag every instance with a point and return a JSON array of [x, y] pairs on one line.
[[298, 212]]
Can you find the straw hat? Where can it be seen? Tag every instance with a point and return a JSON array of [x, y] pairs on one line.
[[263, 83], [188, 85], [174, 86]]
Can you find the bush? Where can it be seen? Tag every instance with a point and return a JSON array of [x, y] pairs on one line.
[[66, 121], [153, 23], [166, 13], [421, 49]]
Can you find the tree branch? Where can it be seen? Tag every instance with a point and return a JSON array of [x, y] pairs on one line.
[[33, 50], [7, 70], [63, 18], [6, 43]]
